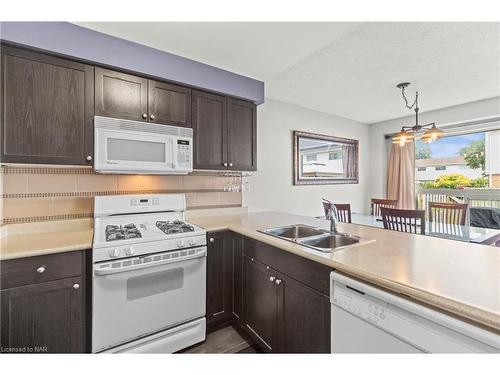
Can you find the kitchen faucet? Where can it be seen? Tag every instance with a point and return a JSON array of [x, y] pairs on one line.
[[332, 215]]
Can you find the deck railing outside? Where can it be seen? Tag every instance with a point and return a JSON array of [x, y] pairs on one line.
[[474, 197]]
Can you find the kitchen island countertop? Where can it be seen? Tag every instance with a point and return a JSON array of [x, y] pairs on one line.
[[456, 277]]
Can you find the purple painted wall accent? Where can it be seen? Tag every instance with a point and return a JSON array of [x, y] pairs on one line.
[[79, 42]]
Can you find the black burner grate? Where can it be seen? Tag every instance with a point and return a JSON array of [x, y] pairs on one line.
[[174, 226], [122, 232]]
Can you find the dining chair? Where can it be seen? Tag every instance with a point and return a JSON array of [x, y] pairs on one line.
[[409, 221], [343, 210], [448, 213], [377, 204]]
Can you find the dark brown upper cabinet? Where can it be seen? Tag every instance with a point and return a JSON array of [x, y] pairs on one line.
[[131, 97], [241, 135], [225, 133], [120, 95], [209, 127], [169, 104], [47, 109]]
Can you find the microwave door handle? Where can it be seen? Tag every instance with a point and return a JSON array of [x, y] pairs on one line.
[[101, 272]]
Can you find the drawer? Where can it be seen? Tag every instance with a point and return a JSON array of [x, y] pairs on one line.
[[34, 270], [308, 272]]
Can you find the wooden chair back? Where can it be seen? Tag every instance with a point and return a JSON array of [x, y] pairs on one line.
[[343, 210], [409, 221], [448, 213], [377, 204]]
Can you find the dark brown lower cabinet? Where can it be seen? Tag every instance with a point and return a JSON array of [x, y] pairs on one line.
[[219, 280], [282, 314], [236, 246], [45, 316], [261, 304], [304, 318], [280, 299]]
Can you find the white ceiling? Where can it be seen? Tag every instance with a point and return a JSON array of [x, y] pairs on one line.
[[345, 69]]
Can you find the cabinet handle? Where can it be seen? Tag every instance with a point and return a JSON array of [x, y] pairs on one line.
[[144, 116], [89, 158], [224, 164], [152, 117], [278, 281], [230, 164], [211, 239], [41, 269], [272, 278], [76, 286]]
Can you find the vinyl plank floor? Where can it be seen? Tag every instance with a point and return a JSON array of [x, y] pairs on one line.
[[225, 340]]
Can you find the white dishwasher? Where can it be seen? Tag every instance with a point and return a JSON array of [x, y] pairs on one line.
[[369, 320]]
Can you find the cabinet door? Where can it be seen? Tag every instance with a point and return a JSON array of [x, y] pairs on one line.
[[209, 126], [46, 317], [120, 95], [219, 283], [241, 135], [260, 304], [169, 104], [304, 318], [47, 108], [236, 244]]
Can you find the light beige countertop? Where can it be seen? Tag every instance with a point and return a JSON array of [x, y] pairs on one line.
[[25, 240], [458, 277]]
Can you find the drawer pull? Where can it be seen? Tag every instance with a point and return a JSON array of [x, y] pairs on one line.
[[76, 286], [41, 269]]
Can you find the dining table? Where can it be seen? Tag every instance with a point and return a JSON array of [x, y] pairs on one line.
[[465, 233]]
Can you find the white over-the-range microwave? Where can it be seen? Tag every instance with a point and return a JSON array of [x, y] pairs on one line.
[[135, 147]]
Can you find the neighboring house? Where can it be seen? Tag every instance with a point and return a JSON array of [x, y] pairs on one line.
[[430, 169], [492, 152], [322, 161]]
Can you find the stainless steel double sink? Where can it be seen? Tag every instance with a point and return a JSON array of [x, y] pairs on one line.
[[314, 238]]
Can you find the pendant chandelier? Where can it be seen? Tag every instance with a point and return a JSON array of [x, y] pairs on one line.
[[408, 133]]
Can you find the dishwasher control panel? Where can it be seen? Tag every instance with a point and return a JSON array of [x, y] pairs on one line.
[[357, 303]]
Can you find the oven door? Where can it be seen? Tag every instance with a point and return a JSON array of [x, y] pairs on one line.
[[133, 297]]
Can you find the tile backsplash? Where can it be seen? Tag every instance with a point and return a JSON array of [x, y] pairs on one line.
[[44, 193]]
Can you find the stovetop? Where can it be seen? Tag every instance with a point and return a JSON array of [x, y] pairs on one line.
[[174, 226], [124, 229], [121, 232]]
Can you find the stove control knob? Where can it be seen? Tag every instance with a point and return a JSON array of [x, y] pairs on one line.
[[192, 241], [129, 251], [114, 253], [181, 243]]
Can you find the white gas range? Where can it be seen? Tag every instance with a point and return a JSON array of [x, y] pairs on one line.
[[149, 275]]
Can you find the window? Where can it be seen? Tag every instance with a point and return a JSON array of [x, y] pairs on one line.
[[440, 167], [334, 156], [421, 169], [312, 157]]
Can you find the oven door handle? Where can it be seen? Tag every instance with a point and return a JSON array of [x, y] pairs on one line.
[[101, 272]]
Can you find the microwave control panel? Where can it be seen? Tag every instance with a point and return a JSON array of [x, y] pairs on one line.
[[184, 153]]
